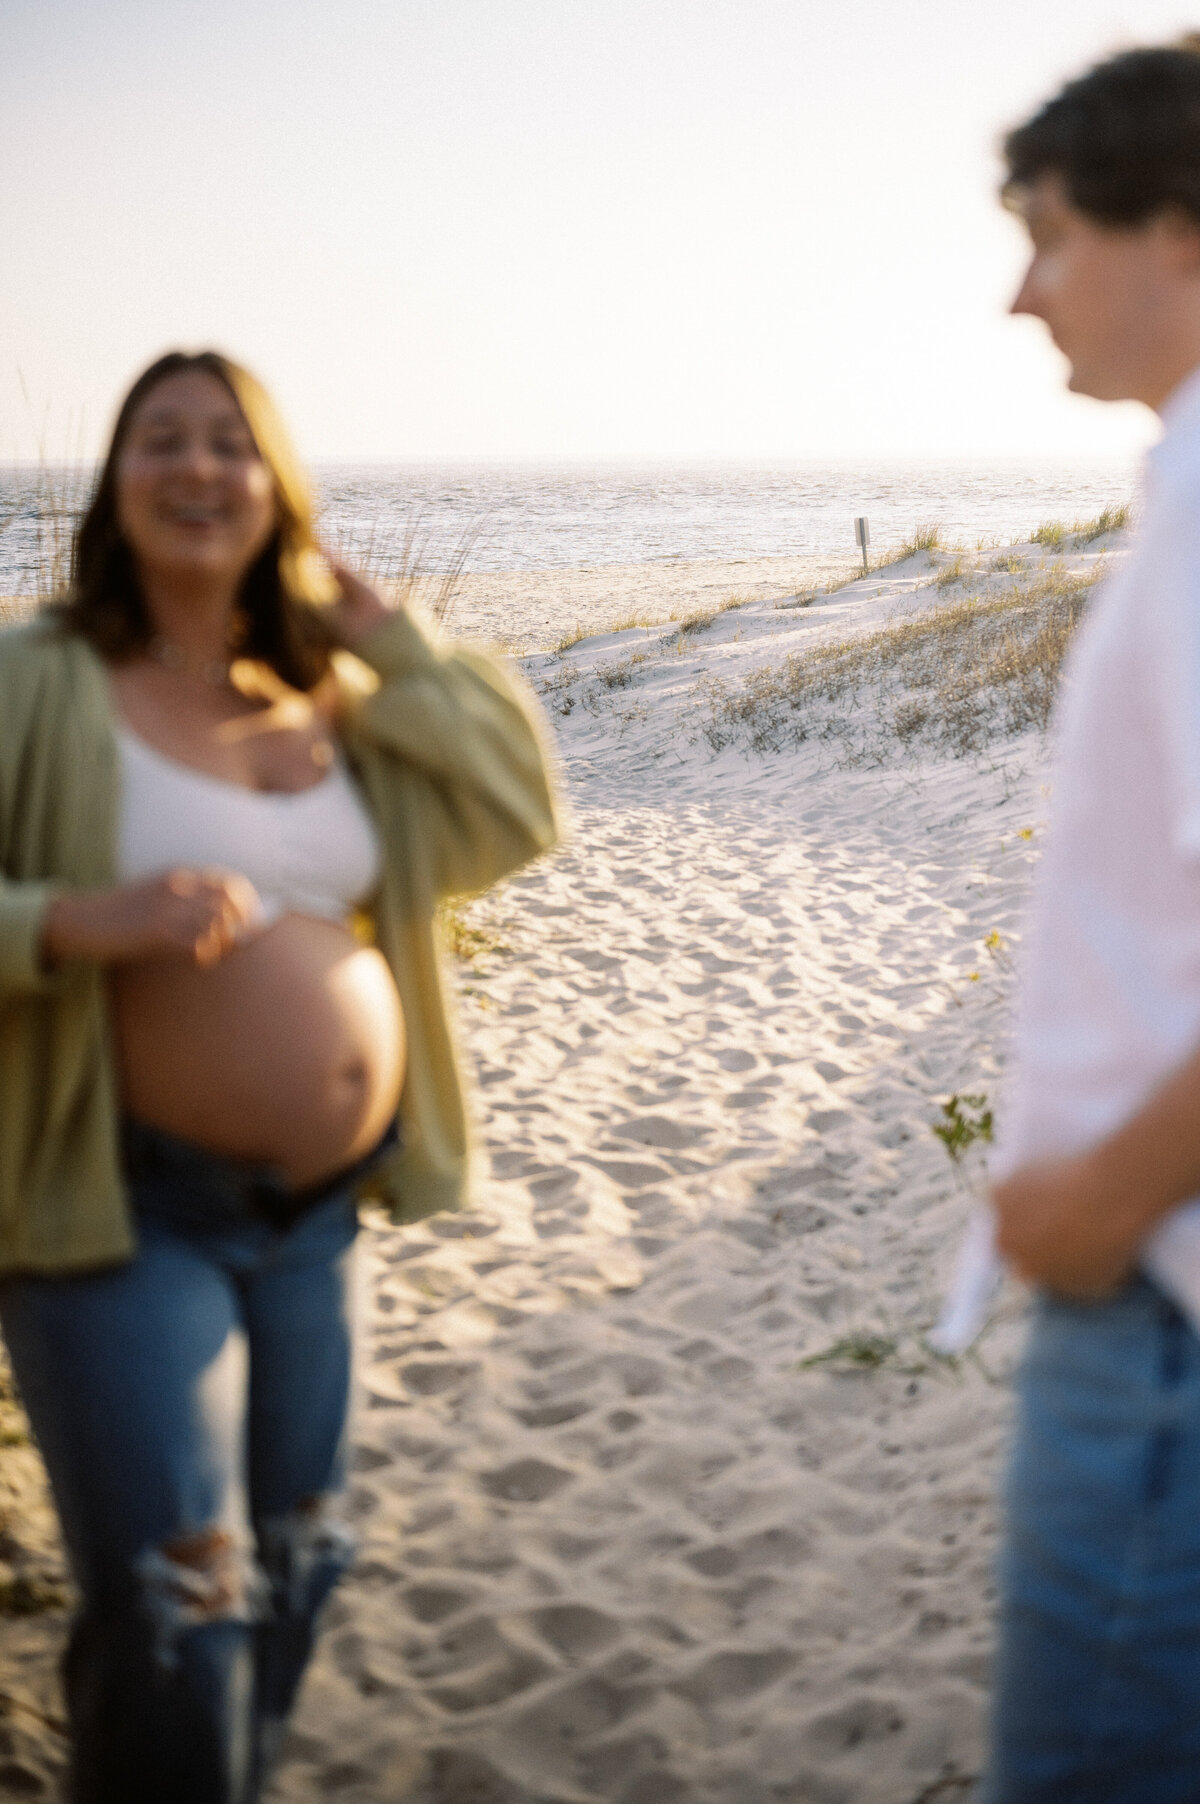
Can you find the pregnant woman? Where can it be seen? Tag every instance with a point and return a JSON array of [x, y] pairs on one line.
[[233, 788]]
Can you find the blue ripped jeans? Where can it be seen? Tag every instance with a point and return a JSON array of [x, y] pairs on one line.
[[1098, 1680], [191, 1409]]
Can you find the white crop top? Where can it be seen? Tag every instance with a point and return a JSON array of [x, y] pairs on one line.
[[314, 852]]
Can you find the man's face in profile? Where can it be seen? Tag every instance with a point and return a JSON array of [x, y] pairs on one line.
[[1105, 292]]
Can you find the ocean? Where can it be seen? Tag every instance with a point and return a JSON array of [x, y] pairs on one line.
[[512, 517]]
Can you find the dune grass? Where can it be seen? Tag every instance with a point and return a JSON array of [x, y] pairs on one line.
[[1109, 519], [956, 571], [952, 679], [627, 622], [1056, 535], [703, 618], [418, 570], [926, 537], [57, 490], [620, 672], [698, 621], [465, 939]]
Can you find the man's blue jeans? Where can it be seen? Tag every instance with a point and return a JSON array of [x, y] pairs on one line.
[[1098, 1686], [191, 1410]]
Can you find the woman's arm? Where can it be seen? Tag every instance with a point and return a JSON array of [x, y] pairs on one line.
[[48, 922], [23, 910], [455, 717]]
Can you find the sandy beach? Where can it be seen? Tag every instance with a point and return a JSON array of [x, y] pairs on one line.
[[661, 1496], [527, 610]]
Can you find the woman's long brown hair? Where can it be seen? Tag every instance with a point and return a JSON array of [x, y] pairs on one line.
[[281, 592]]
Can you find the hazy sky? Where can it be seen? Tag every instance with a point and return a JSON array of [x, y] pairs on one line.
[[541, 228]]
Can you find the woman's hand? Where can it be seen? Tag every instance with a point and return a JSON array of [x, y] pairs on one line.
[[194, 914], [358, 609]]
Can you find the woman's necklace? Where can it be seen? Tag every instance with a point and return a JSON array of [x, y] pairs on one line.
[[217, 673], [176, 658]]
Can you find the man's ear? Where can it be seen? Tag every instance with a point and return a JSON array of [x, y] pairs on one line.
[[1179, 235]]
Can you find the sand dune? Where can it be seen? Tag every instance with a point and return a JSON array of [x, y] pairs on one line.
[[662, 1500], [525, 609]]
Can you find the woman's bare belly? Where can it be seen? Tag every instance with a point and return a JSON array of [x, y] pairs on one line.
[[290, 1051]]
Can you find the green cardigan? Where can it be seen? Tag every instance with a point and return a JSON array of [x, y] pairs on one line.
[[448, 753]]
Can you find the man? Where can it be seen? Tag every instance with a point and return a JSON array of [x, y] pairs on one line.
[[1098, 1693]]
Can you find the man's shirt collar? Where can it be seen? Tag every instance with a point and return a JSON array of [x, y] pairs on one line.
[[1180, 417]]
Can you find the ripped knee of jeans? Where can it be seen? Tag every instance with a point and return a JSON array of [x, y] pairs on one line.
[[208, 1575], [305, 1552]]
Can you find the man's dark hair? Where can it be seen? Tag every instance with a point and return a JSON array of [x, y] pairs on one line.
[[1124, 138]]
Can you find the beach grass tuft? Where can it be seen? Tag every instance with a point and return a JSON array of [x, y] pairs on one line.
[[1056, 535], [466, 939], [703, 618], [627, 622], [418, 570], [858, 1352], [953, 679], [956, 571], [56, 514], [925, 537], [1109, 519], [620, 672]]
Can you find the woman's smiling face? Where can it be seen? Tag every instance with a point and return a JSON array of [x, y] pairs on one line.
[[194, 498]]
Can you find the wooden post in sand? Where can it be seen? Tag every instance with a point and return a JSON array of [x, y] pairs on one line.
[[862, 535]]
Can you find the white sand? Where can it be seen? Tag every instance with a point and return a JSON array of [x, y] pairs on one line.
[[619, 1544], [528, 609]]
